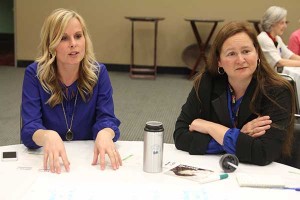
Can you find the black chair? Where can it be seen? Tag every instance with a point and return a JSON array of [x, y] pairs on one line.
[[294, 160], [293, 83]]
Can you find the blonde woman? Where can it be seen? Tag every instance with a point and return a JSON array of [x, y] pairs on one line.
[[67, 95]]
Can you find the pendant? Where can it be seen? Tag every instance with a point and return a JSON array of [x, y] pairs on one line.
[[69, 135]]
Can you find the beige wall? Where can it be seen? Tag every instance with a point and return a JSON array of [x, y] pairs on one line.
[[110, 31]]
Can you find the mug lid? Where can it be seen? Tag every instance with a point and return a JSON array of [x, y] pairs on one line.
[[154, 126]]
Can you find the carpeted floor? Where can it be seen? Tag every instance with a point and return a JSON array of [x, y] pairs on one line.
[[136, 102]]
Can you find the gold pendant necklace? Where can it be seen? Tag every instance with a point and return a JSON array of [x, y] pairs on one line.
[[69, 134]]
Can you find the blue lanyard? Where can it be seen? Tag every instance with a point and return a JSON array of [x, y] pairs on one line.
[[233, 105]]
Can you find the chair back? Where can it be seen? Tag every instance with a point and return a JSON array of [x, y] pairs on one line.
[[296, 144], [294, 160], [293, 83]]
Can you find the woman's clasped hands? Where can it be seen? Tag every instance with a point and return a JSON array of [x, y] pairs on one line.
[[257, 127]]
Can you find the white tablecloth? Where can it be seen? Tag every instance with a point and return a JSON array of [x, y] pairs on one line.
[[294, 72], [23, 179]]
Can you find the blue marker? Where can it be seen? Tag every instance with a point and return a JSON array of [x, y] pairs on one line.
[[213, 178], [291, 188]]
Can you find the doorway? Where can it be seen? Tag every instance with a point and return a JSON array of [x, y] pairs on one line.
[[7, 38]]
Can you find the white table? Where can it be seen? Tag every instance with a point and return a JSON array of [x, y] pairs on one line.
[[23, 179], [294, 72]]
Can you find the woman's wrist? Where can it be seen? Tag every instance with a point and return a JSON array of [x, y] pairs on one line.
[[107, 132], [41, 136]]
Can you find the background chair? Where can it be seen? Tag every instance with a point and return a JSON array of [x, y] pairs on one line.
[[294, 160], [293, 83]]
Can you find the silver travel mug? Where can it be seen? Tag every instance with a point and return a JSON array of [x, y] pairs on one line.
[[153, 147]]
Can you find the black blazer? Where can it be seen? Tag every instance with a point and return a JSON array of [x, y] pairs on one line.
[[213, 107]]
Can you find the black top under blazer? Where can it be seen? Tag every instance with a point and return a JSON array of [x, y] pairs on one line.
[[213, 107]]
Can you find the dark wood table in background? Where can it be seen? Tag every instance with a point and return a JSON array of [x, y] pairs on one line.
[[256, 24], [149, 71], [202, 45]]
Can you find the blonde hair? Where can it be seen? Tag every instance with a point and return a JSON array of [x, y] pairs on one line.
[[51, 34]]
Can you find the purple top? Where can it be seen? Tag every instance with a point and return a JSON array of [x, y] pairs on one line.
[[89, 117]]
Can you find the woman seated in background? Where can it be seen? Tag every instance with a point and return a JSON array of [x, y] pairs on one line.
[[238, 104], [273, 24], [67, 95], [294, 41]]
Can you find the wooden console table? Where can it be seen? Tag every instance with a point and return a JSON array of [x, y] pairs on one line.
[[149, 71], [256, 24], [202, 45]]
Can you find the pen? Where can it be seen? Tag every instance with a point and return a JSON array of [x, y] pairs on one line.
[[291, 188], [295, 172], [127, 157], [213, 178], [167, 163], [24, 168], [44, 170]]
